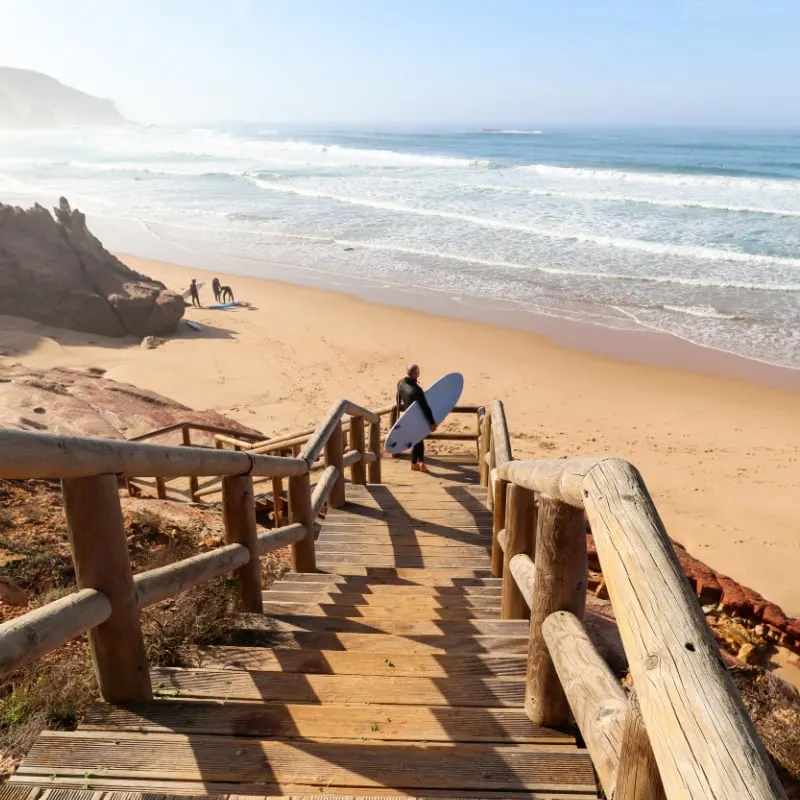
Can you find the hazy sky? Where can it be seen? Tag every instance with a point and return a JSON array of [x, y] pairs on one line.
[[707, 62]]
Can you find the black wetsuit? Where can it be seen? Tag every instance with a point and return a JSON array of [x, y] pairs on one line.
[[408, 392], [195, 294], [216, 288]]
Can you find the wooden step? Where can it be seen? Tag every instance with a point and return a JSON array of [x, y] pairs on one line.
[[393, 627], [337, 689], [418, 601], [240, 791], [358, 535], [393, 576], [377, 643], [398, 588], [428, 532], [144, 759], [364, 723], [345, 662], [354, 549], [357, 689], [275, 608], [343, 562]]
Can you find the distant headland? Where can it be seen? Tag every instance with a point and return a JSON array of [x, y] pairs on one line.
[[31, 99]]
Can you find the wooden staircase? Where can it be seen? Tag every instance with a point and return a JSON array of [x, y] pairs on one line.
[[386, 673]]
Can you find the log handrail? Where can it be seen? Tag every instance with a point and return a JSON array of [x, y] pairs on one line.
[[45, 455], [703, 741], [216, 430], [301, 437], [29, 636]]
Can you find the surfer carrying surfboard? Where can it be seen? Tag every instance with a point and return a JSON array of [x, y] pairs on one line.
[[409, 391]]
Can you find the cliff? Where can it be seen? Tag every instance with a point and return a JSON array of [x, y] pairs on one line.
[[30, 99], [54, 271]]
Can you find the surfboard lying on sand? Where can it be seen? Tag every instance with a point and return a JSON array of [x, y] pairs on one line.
[[413, 427], [226, 305], [196, 326]]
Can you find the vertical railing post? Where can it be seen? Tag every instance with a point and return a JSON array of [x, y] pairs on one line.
[[559, 584], [277, 501], [303, 552], [500, 490], [161, 489], [485, 448], [638, 777], [520, 530], [334, 450], [374, 467], [100, 553], [358, 472], [239, 517], [193, 485]]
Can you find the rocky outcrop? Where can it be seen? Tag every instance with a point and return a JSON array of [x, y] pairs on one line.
[[31, 99], [732, 598], [54, 271], [83, 403]]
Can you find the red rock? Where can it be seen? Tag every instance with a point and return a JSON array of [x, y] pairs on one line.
[[82, 403]]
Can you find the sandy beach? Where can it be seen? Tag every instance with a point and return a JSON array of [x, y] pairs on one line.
[[719, 453]]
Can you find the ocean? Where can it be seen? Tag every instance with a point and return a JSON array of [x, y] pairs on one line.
[[689, 232]]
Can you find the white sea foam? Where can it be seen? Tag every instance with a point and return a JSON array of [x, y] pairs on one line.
[[640, 245], [514, 132], [577, 273], [706, 312], [610, 197], [717, 181]]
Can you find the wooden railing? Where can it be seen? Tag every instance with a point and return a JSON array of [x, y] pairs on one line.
[[683, 732], [109, 596]]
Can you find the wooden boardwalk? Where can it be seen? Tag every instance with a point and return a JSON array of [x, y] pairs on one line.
[[387, 673]]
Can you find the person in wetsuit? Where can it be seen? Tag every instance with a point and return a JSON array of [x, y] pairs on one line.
[[216, 289], [409, 391], [193, 291]]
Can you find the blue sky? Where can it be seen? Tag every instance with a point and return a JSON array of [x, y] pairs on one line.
[[422, 62]]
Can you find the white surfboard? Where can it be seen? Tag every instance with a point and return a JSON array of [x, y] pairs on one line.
[[413, 427]]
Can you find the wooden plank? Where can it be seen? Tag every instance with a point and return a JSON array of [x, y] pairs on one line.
[[343, 662], [358, 584], [479, 539], [105, 788], [354, 549], [325, 688], [392, 627], [379, 643], [372, 722], [396, 612], [342, 562], [417, 601], [315, 763], [455, 577]]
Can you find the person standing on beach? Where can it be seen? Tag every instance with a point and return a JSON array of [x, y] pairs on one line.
[[215, 287], [409, 391], [194, 293]]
